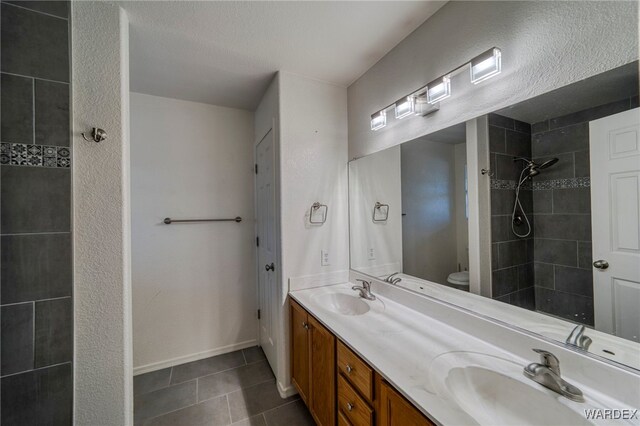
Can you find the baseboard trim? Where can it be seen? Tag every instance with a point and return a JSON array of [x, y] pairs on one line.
[[286, 391], [193, 357]]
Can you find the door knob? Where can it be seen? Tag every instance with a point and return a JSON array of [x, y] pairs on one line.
[[601, 264], [270, 267]]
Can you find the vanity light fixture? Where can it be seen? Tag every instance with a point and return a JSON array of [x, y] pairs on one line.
[[425, 101], [439, 89], [486, 65], [379, 120], [405, 107]]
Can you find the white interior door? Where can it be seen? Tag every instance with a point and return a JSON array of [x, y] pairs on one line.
[[267, 255], [615, 203]]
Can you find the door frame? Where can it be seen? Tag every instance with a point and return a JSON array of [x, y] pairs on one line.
[[278, 251]]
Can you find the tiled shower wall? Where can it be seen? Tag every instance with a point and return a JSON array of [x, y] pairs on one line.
[[512, 256], [562, 213], [549, 271], [35, 215]]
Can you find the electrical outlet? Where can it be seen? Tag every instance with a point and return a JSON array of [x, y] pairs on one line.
[[371, 253], [324, 257]]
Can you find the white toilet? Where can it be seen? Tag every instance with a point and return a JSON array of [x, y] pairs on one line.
[[459, 280]]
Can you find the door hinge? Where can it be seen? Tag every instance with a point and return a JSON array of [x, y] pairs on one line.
[[257, 241], [256, 168], [258, 313]]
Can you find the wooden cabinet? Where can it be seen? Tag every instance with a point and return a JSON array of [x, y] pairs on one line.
[[300, 350], [395, 410], [313, 365], [337, 385]]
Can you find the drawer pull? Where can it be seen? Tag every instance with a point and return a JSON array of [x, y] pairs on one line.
[[349, 406], [305, 325], [349, 368]]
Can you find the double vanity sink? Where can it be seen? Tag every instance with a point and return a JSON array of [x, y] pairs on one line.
[[450, 376]]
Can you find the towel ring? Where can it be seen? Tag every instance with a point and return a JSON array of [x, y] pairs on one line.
[[314, 209]]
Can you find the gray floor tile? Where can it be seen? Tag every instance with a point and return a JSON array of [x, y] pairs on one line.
[[254, 354], [149, 382], [253, 421], [204, 367], [232, 380], [163, 401], [214, 412], [255, 399], [294, 413]]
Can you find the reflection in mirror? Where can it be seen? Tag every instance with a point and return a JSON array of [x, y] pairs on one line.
[[564, 185], [408, 207]]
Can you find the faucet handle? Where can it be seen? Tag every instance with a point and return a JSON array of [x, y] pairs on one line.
[[365, 284], [549, 360]]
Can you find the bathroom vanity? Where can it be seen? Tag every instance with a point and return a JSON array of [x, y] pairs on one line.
[[335, 382], [407, 359]]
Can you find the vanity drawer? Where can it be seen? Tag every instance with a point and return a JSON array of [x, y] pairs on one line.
[[342, 420], [356, 370], [352, 406]]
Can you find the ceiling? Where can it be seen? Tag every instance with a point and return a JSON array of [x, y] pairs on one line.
[[226, 53], [610, 86]]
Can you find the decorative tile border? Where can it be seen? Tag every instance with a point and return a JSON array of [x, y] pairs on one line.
[[508, 184], [20, 154], [581, 182]]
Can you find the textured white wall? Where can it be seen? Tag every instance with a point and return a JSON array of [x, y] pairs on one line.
[[194, 287], [102, 282], [545, 45], [310, 120], [376, 178]]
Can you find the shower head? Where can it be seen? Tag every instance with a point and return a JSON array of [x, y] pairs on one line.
[[548, 163]]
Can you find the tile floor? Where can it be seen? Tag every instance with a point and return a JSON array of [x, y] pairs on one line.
[[236, 388]]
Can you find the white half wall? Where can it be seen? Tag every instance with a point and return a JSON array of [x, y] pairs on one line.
[[101, 216], [313, 167], [194, 285], [545, 45]]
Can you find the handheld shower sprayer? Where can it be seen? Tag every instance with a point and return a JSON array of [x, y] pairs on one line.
[[530, 170]]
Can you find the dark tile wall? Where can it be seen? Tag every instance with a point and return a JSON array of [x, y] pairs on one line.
[[512, 256], [36, 309], [562, 213]]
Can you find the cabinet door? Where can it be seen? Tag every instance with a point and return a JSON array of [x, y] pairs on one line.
[[300, 350], [323, 374], [397, 411]]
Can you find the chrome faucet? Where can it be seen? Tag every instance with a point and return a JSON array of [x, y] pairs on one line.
[[547, 373], [578, 338], [392, 279], [365, 290]]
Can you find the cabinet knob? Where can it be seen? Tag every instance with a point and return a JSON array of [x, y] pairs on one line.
[[349, 369], [349, 406], [305, 325]]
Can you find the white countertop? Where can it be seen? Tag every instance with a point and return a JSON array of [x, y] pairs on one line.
[[408, 348]]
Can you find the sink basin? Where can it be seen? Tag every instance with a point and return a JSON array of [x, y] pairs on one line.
[[341, 303], [493, 391], [495, 399]]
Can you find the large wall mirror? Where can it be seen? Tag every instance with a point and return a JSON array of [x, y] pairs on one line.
[[560, 186]]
